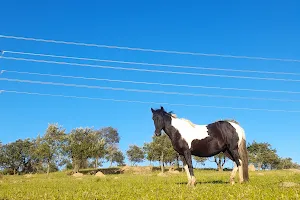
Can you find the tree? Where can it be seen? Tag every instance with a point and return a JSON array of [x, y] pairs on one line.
[[220, 159], [118, 158], [285, 163], [16, 156], [99, 150], [112, 139], [135, 154], [81, 145], [161, 149], [200, 160], [50, 146], [262, 155], [148, 148]]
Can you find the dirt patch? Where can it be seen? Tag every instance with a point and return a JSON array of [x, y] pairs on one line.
[[288, 184], [28, 175], [173, 171], [162, 174], [99, 174], [78, 175], [294, 170], [260, 174], [136, 170]]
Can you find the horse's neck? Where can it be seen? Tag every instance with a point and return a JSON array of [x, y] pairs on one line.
[[169, 130]]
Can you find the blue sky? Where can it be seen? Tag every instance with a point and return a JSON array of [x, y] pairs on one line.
[[265, 29]]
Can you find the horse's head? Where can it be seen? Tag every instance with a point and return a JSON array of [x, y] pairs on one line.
[[159, 117]]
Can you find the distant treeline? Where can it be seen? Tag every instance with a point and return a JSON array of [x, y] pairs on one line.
[[90, 148]]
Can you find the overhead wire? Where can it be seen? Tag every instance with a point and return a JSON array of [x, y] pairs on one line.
[[145, 91], [149, 102], [148, 70], [148, 83], [149, 64], [146, 49]]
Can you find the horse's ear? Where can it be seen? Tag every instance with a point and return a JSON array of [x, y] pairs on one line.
[[162, 108], [152, 110]]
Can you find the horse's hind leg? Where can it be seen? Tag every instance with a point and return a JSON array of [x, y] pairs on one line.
[[233, 173], [235, 168]]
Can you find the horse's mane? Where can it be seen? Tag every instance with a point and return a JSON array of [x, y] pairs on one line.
[[189, 121], [230, 120], [172, 114]]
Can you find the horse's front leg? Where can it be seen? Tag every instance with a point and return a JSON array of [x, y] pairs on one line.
[[188, 159], [186, 169]]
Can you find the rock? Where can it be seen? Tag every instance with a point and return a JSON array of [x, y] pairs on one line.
[[77, 174], [99, 174], [251, 168]]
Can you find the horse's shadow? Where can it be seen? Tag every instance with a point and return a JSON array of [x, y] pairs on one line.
[[206, 182]]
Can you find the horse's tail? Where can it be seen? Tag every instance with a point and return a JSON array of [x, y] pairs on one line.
[[244, 157]]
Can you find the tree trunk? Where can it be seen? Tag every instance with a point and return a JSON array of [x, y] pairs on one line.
[[110, 161], [259, 166], [177, 161], [220, 164], [76, 166], [220, 168], [48, 168], [96, 163], [162, 162]]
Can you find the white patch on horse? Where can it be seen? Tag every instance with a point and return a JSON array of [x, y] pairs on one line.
[[240, 131], [188, 131]]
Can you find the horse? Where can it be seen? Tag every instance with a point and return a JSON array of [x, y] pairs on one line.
[[204, 141]]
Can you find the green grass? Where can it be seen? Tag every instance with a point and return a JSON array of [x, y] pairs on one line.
[[211, 185]]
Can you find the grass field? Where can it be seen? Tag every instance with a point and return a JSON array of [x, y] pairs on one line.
[[211, 185]]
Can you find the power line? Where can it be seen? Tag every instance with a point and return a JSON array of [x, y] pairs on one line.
[[145, 91], [147, 49], [149, 64], [150, 83], [148, 102], [148, 70]]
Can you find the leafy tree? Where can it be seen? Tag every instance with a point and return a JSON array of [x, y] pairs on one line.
[[135, 154], [99, 150], [49, 147], [81, 145], [220, 159], [161, 149], [200, 160], [118, 157], [112, 139], [17, 156], [262, 155], [149, 150], [285, 163]]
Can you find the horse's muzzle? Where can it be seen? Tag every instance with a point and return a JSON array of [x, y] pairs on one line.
[[157, 133]]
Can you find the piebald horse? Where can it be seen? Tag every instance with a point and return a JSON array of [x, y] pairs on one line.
[[204, 141]]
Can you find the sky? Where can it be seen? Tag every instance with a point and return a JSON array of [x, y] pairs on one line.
[[259, 29]]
